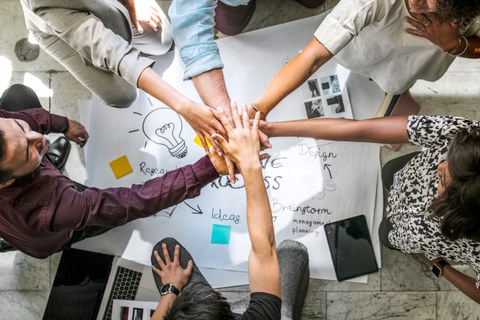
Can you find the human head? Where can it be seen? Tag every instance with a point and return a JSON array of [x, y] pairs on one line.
[[21, 150], [447, 10], [459, 205], [200, 302]]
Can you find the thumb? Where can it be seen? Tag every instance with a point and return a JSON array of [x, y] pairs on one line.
[[219, 139]]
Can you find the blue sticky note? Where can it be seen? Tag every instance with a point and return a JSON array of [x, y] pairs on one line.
[[221, 234]]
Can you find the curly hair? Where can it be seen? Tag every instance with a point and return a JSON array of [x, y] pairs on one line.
[[459, 206], [461, 10], [200, 302]]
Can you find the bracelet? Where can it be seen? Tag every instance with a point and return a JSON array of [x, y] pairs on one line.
[[454, 53], [256, 109]]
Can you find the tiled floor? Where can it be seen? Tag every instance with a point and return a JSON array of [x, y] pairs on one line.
[[402, 289]]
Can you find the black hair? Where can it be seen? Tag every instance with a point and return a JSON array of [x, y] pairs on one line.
[[5, 175], [200, 302], [459, 206], [461, 10]]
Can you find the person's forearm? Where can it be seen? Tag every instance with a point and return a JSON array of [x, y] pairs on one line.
[[379, 130], [293, 74], [464, 283], [211, 88], [153, 84], [165, 304], [259, 214]]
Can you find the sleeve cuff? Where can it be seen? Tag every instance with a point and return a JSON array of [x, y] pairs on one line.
[[204, 171], [203, 62], [59, 123], [132, 65], [333, 35]]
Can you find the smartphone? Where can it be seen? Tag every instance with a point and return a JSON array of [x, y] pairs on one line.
[[351, 247]]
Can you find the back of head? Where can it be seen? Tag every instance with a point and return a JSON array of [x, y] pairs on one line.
[[459, 205], [461, 10], [200, 302]]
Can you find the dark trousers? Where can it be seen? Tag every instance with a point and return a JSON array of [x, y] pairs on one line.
[[294, 273], [231, 20], [388, 171]]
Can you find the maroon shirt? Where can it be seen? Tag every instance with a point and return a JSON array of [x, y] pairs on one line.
[[38, 211]]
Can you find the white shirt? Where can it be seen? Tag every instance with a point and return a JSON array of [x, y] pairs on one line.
[[368, 37]]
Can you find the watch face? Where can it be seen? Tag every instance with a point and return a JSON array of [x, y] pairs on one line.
[[166, 288]]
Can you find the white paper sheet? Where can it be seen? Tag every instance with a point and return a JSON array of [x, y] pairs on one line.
[[309, 182]]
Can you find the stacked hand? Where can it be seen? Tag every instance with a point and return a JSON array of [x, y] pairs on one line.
[[242, 145]]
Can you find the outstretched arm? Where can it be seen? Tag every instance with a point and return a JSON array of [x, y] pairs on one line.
[[243, 148], [464, 283], [293, 74], [379, 130]]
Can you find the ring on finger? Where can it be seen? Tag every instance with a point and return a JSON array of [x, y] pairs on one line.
[[429, 22], [421, 30]]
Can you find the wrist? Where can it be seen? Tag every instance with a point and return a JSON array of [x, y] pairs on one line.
[[460, 47], [250, 167], [438, 267]]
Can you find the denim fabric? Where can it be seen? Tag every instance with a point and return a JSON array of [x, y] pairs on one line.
[[193, 31]]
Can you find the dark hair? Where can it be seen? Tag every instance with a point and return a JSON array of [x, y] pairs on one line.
[[461, 10], [200, 302], [459, 206], [4, 174]]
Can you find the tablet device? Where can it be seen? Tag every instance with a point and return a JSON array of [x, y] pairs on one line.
[[350, 247]]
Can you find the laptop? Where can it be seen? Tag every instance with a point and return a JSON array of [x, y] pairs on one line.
[[86, 283]]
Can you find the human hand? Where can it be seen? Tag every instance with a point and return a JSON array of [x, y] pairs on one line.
[[146, 11], [264, 140], [243, 144], [171, 271], [204, 123], [77, 133], [220, 163], [440, 33]]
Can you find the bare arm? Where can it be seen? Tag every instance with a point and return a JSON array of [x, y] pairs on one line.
[[212, 90], [243, 148], [293, 74], [379, 130], [200, 118], [464, 283]]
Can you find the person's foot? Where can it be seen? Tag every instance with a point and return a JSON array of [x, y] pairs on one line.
[[58, 152]]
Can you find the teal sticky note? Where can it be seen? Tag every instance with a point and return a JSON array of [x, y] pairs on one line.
[[221, 234]]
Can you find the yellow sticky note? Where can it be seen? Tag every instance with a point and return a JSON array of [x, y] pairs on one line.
[[121, 167], [197, 141]]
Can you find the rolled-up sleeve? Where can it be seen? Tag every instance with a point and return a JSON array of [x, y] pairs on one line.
[[193, 31], [345, 21]]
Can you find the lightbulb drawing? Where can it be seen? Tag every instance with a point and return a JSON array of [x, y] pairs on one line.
[[163, 126]]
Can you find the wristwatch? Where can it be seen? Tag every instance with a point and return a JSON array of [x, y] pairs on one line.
[[169, 288], [437, 267]]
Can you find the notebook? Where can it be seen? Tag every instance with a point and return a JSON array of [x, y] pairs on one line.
[[86, 283]]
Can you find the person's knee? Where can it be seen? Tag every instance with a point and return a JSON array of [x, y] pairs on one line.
[[291, 249], [123, 99]]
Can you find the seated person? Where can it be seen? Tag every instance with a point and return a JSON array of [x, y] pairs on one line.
[[433, 201], [44, 211], [276, 275]]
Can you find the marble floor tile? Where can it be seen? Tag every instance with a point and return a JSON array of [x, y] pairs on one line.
[[21, 272], [23, 305], [455, 305], [384, 305]]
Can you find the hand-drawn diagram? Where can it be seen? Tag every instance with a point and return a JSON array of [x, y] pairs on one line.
[[164, 126]]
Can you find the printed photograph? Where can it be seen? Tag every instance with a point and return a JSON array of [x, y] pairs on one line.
[[330, 84], [311, 89], [314, 109], [336, 104]]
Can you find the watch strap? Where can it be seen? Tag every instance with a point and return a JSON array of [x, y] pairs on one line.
[[437, 267], [169, 288]]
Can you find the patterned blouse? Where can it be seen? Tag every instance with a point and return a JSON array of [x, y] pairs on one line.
[[415, 228]]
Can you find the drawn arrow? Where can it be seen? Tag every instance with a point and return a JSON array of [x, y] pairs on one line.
[[195, 211], [327, 166]]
